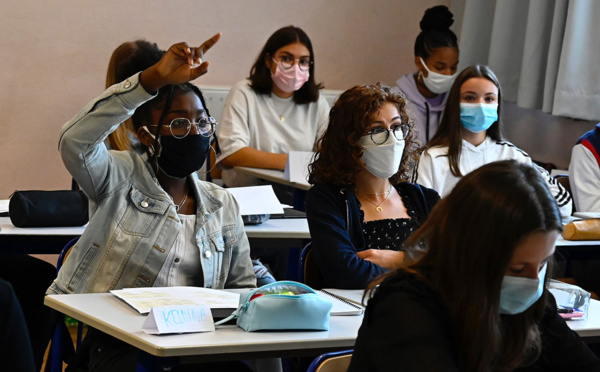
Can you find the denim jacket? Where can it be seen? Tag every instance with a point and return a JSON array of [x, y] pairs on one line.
[[134, 223]]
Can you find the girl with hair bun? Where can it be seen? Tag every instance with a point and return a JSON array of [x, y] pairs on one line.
[[436, 59]]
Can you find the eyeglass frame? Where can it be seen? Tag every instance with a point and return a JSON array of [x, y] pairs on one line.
[[295, 61], [211, 121], [404, 128]]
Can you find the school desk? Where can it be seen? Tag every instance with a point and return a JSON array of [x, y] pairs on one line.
[[109, 314], [588, 330], [283, 232]]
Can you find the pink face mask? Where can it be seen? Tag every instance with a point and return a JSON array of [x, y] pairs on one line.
[[289, 80]]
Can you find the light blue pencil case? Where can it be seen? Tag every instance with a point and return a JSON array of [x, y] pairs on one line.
[[283, 305]]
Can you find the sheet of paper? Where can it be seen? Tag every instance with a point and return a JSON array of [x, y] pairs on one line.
[[256, 200], [144, 299], [296, 168], [586, 215], [4, 205], [179, 319]]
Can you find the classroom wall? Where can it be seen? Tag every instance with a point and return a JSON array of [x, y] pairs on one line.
[[54, 57]]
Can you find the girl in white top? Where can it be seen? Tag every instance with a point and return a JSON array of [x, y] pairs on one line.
[[470, 135], [278, 110]]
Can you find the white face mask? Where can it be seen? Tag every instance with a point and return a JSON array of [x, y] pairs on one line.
[[437, 83], [382, 160]]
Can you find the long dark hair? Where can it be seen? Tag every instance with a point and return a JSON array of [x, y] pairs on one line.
[[338, 155], [260, 75], [435, 31], [449, 130], [469, 239]]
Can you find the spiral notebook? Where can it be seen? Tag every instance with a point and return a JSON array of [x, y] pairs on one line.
[[341, 305]]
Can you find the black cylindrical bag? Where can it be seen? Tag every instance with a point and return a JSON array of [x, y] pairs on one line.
[[59, 208]]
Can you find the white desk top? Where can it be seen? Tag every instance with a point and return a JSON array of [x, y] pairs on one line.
[[561, 242], [7, 228], [271, 175], [587, 328], [283, 228], [107, 313], [590, 327]]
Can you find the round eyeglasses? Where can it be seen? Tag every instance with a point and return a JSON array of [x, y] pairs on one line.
[[288, 62], [181, 127], [380, 135]]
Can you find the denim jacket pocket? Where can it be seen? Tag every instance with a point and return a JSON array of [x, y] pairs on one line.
[[141, 214], [81, 269], [221, 242]]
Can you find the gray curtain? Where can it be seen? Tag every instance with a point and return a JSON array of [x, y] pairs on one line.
[[546, 53]]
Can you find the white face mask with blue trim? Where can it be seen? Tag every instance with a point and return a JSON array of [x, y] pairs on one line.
[[519, 293]]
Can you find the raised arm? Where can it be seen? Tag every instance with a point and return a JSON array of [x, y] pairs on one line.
[[81, 142]]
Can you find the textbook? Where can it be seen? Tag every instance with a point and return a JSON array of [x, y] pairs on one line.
[[221, 303]]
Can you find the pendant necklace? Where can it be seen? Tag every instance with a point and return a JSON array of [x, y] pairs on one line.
[[178, 206], [377, 206]]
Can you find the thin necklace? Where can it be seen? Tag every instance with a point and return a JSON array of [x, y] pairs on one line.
[[178, 206], [377, 206]]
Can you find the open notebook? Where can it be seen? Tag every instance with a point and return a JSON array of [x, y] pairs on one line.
[[221, 303], [341, 305]]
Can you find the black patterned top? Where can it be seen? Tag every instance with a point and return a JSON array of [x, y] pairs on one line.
[[390, 233]]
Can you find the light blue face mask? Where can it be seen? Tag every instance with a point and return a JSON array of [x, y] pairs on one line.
[[518, 293], [477, 117]]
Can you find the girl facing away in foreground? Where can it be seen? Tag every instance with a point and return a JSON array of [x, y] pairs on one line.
[[361, 209], [474, 298], [470, 135]]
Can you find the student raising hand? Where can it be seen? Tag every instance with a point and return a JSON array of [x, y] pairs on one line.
[[180, 64]]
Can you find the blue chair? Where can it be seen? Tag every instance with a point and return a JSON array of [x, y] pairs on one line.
[[337, 361], [308, 272], [61, 334]]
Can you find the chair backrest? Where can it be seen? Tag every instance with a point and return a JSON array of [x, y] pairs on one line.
[[563, 180], [337, 361], [62, 344], [308, 272], [64, 253]]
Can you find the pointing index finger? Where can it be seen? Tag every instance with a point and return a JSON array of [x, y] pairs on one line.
[[209, 43]]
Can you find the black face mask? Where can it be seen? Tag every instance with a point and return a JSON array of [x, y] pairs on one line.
[[178, 158]]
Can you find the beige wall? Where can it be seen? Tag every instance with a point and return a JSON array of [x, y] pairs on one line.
[[54, 55]]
